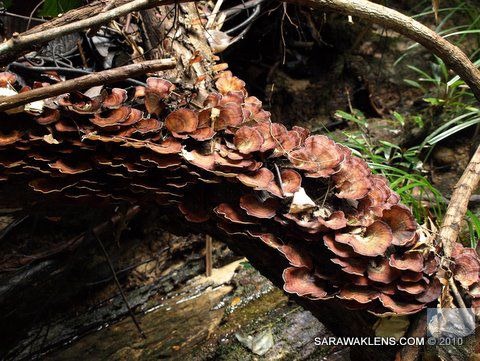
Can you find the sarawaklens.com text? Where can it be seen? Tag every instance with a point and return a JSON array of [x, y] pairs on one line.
[[386, 341]]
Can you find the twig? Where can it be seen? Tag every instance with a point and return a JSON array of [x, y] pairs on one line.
[[370, 11], [389, 18], [458, 205], [33, 12], [86, 81], [22, 42], [208, 256], [119, 286], [280, 181]]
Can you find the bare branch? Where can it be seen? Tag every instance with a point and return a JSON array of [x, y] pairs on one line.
[[458, 204], [23, 42], [405, 25], [86, 81]]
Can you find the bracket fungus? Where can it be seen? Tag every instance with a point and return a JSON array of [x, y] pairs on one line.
[[225, 164]]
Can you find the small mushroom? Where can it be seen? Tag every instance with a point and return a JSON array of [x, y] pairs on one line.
[[114, 117], [402, 223], [300, 281], [256, 208], [156, 91], [353, 266], [358, 294], [247, 140], [398, 307], [226, 82], [68, 167], [319, 156], [467, 268], [372, 242], [412, 261], [339, 249], [258, 180], [182, 121], [230, 213], [115, 98], [381, 271]]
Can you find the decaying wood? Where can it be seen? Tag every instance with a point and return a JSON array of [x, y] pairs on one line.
[[86, 81]]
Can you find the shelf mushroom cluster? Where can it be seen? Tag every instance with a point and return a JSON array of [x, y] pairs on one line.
[[341, 229]]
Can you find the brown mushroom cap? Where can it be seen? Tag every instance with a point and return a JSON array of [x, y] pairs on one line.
[[296, 255], [226, 83], [341, 250], [230, 115], [48, 116], [381, 271], [319, 156], [157, 89], [373, 242], [256, 208], [148, 125], [353, 180], [467, 268], [353, 266], [359, 294], [114, 117], [115, 98], [336, 220], [402, 223], [247, 140], [70, 167], [206, 162], [10, 138], [412, 261], [268, 238], [182, 121], [398, 307], [413, 288], [300, 281], [259, 179], [232, 214], [303, 132], [291, 183]]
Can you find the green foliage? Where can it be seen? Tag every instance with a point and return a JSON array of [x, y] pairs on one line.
[[6, 3], [402, 167], [52, 8]]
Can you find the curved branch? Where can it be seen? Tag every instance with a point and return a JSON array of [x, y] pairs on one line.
[[86, 81], [458, 205], [402, 24]]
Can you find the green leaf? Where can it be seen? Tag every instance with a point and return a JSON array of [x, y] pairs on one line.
[[52, 8], [6, 3]]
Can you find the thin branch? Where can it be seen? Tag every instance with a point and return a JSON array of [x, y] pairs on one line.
[[119, 286], [402, 24], [22, 42], [367, 10], [458, 205], [208, 256], [86, 81]]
